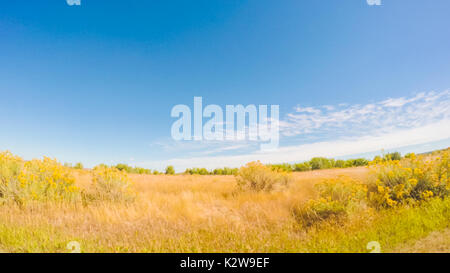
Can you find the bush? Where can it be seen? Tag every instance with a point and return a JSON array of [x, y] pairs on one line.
[[124, 167], [356, 162], [336, 197], [410, 180], [139, 170], [282, 167], [257, 177], [318, 163], [170, 170], [361, 162], [203, 171], [129, 169], [79, 166], [317, 211], [200, 171], [302, 167], [340, 164], [392, 156], [35, 180], [109, 184], [226, 171], [101, 166]]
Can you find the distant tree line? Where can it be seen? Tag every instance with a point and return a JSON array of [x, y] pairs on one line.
[[203, 171], [138, 170], [319, 163], [78, 166], [129, 169], [391, 156], [316, 163]]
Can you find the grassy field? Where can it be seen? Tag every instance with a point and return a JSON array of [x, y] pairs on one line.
[[436, 242], [172, 213], [193, 213]]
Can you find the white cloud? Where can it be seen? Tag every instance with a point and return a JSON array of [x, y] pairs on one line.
[[374, 2], [310, 110], [333, 148], [419, 110], [73, 2], [398, 102], [328, 107], [331, 131]]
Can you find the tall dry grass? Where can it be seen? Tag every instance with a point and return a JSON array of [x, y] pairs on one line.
[[194, 213], [170, 213]]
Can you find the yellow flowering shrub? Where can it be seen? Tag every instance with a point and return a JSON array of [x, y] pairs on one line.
[[342, 189], [110, 184], [256, 176], [336, 198], [10, 167], [35, 180], [409, 180]]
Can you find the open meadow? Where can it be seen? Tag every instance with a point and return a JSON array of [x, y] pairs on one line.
[[240, 129], [317, 211]]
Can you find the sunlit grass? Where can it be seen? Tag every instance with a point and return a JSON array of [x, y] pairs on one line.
[[193, 213]]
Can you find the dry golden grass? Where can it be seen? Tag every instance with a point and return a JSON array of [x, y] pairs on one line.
[[193, 213], [436, 242], [172, 213]]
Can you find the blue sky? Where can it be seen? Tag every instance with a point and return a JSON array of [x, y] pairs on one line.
[[96, 82]]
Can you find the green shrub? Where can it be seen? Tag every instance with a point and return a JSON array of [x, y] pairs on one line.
[[129, 169], [170, 170], [78, 166], [302, 167], [139, 170], [256, 176], [317, 211], [203, 171], [226, 171], [123, 167], [282, 167], [340, 164], [199, 171], [336, 198], [393, 156], [318, 163], [356, 162]]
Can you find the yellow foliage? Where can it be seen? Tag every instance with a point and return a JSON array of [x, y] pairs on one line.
[[409, 180], [47, 180], [36, 180], [336, 198], [110, 184], [259, 177]]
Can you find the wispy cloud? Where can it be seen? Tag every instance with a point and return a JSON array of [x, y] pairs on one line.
[[330, 130], [73, 2], [332, 148], [205, 147], [387, 115]]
